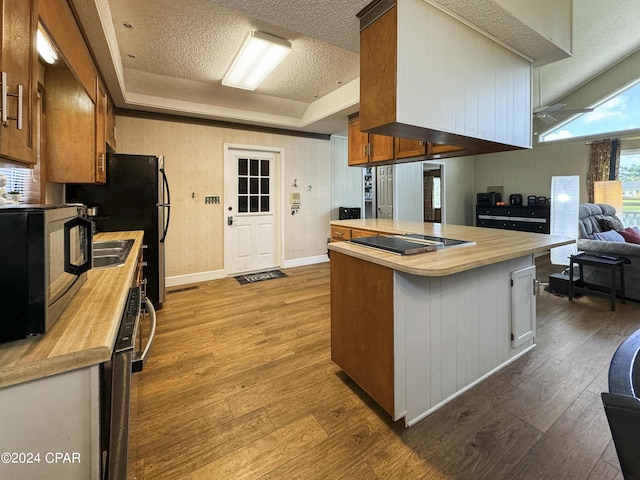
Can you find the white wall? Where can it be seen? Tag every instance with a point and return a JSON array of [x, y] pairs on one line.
[[346, 182], [451, 78], [408, 192]]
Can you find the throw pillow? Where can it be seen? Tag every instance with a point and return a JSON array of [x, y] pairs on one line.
[[610, 236], [610, 223], [630, 235]]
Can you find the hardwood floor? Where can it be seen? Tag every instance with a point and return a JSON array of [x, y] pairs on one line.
[[240, 384]]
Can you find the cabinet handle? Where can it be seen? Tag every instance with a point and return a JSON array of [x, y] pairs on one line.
[[364, 150], [3, 100], [3, 103]]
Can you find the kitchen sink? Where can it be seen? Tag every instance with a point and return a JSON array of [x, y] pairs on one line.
[[112, 253]]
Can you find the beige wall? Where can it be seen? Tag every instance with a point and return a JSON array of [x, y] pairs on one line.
[[529, 172], [194, 162]]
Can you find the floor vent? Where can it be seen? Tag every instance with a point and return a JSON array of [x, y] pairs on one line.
[[185, 289]]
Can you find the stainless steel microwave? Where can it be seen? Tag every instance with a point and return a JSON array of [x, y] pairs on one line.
[[45, 252]]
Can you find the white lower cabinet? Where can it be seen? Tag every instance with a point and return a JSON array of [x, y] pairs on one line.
[[51, 427], [523, 306]]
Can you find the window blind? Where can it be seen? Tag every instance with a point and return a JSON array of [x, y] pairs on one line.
[[23, 180]]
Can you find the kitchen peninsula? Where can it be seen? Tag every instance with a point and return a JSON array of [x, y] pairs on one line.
[[415, 331]]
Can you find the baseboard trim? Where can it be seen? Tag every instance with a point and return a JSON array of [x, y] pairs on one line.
[[195, 278], [301, 262], [179, 280]]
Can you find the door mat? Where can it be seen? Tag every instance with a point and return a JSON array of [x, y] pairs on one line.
[[258, 277]]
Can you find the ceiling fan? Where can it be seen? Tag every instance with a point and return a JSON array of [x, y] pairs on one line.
[[548, 113]]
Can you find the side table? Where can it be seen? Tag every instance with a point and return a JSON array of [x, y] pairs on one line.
[[598, 261]]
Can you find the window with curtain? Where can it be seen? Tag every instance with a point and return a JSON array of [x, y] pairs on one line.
[[603, 163]]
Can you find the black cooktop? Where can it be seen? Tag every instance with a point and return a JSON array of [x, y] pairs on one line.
[[447, 242], [408, 244]]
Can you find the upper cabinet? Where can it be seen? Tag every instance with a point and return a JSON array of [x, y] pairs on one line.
[[18, 93], [102, 102], [365, 148], [426, 75], [111, 125], [407, 148], [78, 107]]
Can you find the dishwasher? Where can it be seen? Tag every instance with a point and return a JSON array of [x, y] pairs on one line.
[[129, 355]]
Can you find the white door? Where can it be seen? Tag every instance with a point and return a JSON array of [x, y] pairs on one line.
[[385, 192], [250, 211]]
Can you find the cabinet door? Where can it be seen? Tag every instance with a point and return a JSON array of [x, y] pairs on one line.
[[437, 149], [111, 125], [381, 148], [18, 57], [340, 233], [406, 148], [358, 144], [523, 306], [71, 114], [101, 133]]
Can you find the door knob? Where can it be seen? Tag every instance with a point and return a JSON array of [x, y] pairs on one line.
[[229, 220]]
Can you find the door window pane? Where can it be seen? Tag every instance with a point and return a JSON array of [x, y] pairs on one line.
[[254, 167], [242, 166], [253, 203], [254, 185], [243, 206], [242, 186]]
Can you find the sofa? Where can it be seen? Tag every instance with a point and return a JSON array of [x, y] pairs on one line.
[[594, 220]]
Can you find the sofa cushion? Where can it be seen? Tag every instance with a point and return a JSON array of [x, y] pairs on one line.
[[609, 236], [610, 223], [630, 235], [589, 216]]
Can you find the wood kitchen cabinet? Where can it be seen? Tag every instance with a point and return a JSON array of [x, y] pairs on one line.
[[407, 148], [365, 148], [71, 113], [111, 125], [77, 103], [17, 62], [339, 234], [101, 133]]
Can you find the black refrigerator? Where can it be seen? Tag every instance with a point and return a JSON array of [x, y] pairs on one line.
[[135, 197]]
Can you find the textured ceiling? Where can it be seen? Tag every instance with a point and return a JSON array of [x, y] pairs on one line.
[[603, 34], [175, 54]]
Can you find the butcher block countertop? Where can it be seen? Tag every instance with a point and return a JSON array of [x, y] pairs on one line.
[[492, 245], [85, 333]]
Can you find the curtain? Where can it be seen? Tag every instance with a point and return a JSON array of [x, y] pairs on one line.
[[602, 165], [429, 212]]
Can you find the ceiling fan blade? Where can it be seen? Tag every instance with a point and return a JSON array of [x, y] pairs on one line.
[[574, 111], [555, 107], [540, 109]]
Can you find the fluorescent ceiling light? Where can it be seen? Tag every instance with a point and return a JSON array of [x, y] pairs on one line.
[[259, 55], [45, 49]]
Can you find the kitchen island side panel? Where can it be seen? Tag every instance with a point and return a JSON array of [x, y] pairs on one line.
[[457, 331], [362, 325]]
